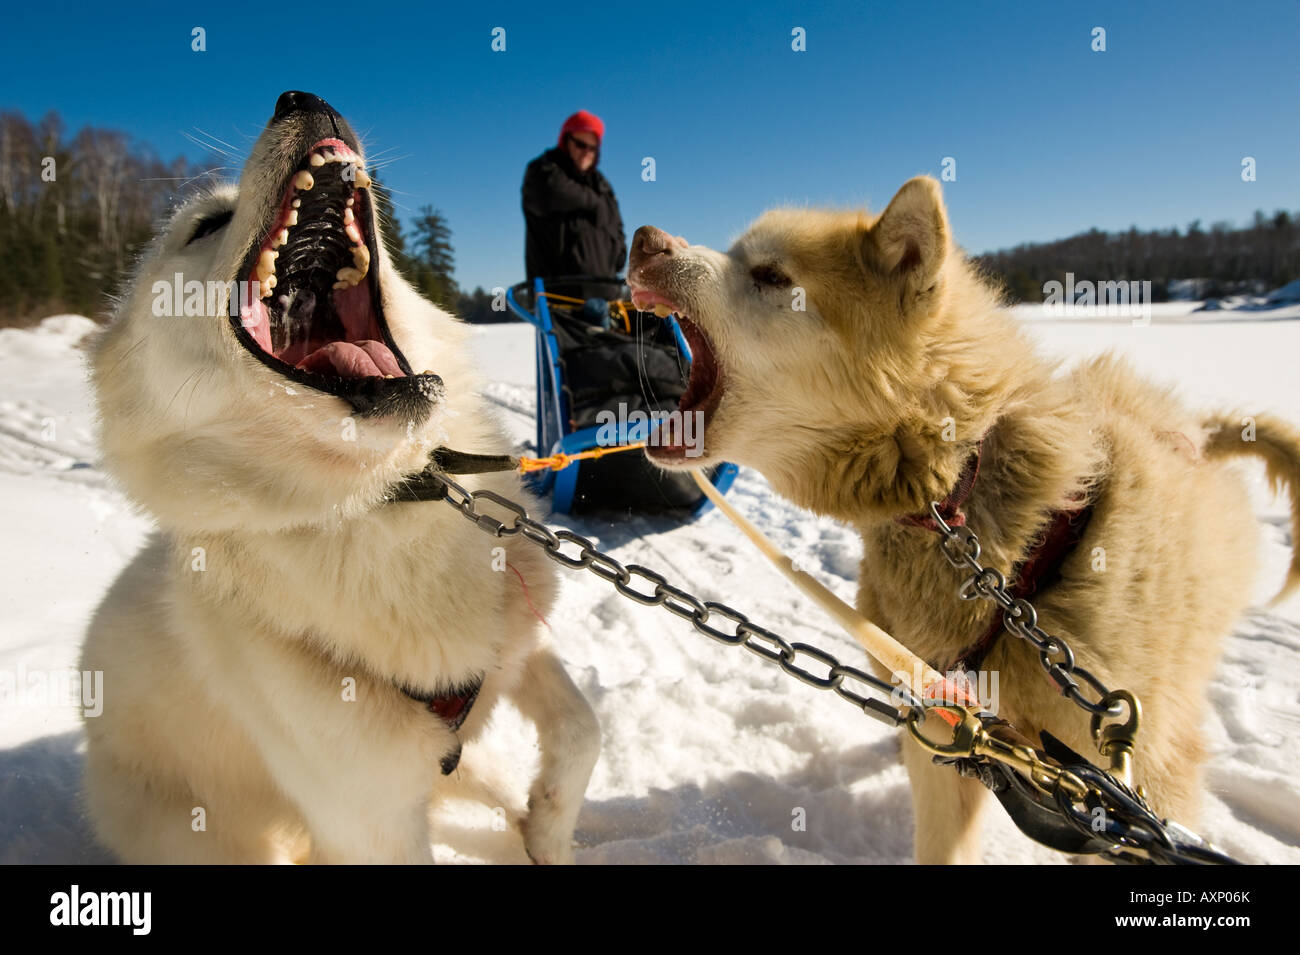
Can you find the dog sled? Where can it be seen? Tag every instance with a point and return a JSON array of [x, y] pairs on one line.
[[608, 375]]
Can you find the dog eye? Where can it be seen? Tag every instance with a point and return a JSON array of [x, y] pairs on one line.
[[770, 276], [211, 224]]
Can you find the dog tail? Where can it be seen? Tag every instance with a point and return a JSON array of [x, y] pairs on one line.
[[1278, 443]]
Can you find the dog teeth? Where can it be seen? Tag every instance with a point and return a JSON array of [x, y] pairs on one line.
[[329, 154], [304, 181], [348, 277], [663, 311], [265, 265]]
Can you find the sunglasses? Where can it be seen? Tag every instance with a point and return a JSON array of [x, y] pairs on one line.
[[585, 147]]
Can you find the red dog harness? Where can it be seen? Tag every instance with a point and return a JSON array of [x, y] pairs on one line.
[[453, 709], [1040, 569]]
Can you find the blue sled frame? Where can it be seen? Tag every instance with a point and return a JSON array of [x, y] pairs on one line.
[[553, 412]]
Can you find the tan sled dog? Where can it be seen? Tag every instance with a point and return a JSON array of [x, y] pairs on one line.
[[902, 375], [293, 664]]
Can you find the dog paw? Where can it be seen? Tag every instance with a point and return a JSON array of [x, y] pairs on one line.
[[548, 849], [548, 835]]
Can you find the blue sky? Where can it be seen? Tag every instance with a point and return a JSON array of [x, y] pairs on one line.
[[1049, 137]]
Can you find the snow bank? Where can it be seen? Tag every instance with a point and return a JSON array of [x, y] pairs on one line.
[[709, 753]]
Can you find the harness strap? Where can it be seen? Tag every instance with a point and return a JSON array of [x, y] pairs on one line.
[[462, 462], [453, 709], [453, 706], [950, 507], [1040, 569], [421, 486], [417, 487]]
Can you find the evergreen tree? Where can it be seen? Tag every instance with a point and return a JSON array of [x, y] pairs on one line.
[[433, 257]]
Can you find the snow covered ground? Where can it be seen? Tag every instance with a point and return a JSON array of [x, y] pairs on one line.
[[709, 753]]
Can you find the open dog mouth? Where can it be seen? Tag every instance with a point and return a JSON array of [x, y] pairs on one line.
[[704, 388], [312, 308]]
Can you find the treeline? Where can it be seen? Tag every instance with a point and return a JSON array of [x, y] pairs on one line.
[[426, 258], [77, 208], [74, 209], [1223, 260]]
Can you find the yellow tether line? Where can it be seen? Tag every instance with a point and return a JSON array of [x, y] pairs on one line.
[[901, 661]]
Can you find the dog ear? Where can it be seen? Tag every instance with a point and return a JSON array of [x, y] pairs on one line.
[[911, 240]]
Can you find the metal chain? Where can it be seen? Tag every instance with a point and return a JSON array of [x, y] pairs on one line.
[[962, 549], [739, 631], [1138, 834]]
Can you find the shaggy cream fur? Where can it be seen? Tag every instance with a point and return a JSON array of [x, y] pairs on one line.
[[253, 652], [864, 405]]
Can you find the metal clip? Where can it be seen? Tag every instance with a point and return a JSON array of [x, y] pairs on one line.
[[971, 739], [1115, 742], [966, 730]]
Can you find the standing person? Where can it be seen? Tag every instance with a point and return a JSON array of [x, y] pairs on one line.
[[572, 221]]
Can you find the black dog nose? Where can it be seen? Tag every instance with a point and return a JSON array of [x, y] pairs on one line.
[[294, 100], [649, 241]]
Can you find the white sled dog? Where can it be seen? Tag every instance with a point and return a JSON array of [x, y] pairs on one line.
[[903, 381], [293, 663]]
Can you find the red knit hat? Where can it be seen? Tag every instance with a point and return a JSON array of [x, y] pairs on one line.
[[582, 122]]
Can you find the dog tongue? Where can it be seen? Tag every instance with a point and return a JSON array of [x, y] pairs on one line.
[[352, 360]]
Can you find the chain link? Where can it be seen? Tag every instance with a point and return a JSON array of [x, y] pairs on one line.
[[715, 620], [962, 549], [1139, 834], [959, 545]]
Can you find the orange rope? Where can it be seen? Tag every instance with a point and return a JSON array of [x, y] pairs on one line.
[[558, 462], [566, 299], [617, 309]]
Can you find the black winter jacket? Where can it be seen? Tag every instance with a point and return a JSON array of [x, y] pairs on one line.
[[571, 220]]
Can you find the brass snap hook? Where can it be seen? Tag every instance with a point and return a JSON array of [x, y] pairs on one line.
[[966, 729], [1116, 741]]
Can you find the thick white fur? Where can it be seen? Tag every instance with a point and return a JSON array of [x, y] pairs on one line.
[[225, 686], [865, 407]]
